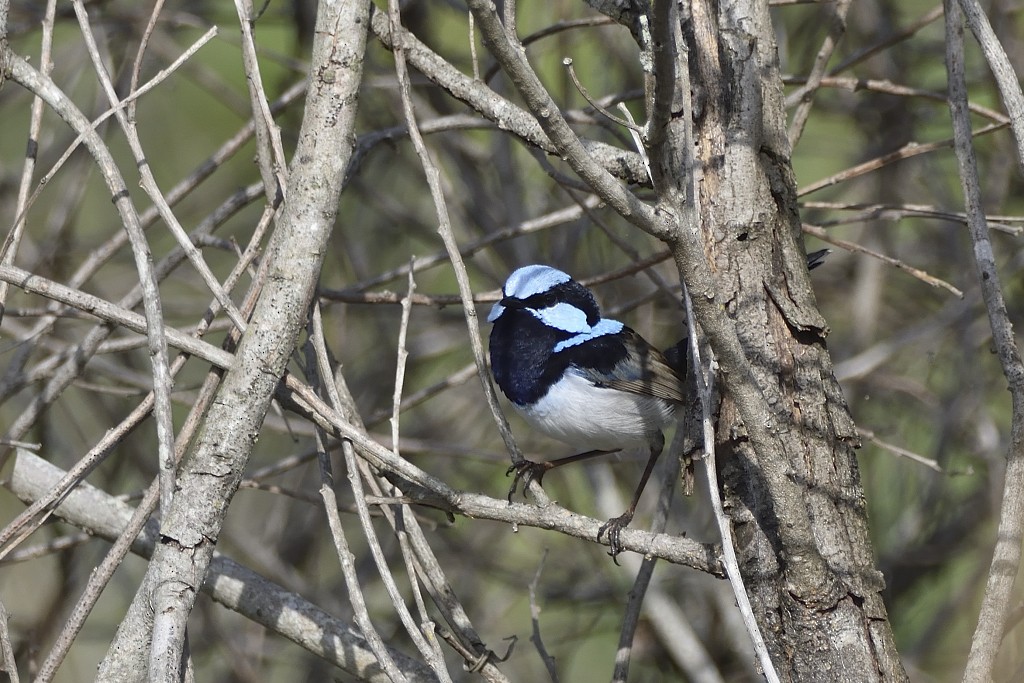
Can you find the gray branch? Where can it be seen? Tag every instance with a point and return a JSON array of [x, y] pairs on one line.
[[995, 606], [233, 585], [211, 476]]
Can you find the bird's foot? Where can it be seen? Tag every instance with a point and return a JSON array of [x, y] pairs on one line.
[[613, 528], [525, 472]]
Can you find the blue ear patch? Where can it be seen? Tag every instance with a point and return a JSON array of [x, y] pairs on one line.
[[602, 328], [562, 316], [530, 280]]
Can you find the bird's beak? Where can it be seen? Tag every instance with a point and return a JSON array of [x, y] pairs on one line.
[[499, 308]]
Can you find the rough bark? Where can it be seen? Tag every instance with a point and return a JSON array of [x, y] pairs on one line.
[[817, 595]]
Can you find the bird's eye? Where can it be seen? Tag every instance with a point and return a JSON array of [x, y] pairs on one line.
[[543, 300]]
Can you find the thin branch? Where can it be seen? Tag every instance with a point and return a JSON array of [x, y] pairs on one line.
[[804, 96], [401, 360], [642, 591], [894, 262], [323, 372], [1006, 556], [491, 105], [270, 151], [907, 151], [348, 571], [101, 255], [233, 585], [549, 221], [23, 73], [451, 245], [870, 436], [535, 637], [13, 238], [148, 181], [633, 128], [1003, 71], [896, 212], [51, 547], [890, 88], [888, 41], [140, 53], [512, 57], [10, 666], [421, 564]]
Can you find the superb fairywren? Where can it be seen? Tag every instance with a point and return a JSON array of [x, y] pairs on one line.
[[580, 378]]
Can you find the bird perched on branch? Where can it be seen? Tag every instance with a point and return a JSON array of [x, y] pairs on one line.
[[586, 380]]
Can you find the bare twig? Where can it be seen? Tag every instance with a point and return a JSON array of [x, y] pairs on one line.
[[548, 221], [696, 662], [889, 40], [895, 212], [348, 571], [13, 238], [633, 128], [10, 666], [643, 592], [911, 149], [535, 637], [870, 436], [1006, 77], [493, 106], [890, 88], [30, 519], [451, 246], [36, 514], [403, 357], [804, 96], [823, 235], [421, 564], [270, 151], [147, 34], [513, 60], [38, 83], [1006, 556], [229, 583], [55, 545], [354, 475], [98, 257]]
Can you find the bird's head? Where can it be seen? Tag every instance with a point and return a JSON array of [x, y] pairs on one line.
[[549, 295]]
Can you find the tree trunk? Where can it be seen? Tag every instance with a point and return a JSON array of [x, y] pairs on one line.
[[802, 537]]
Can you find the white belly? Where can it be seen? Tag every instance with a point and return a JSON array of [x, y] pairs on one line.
[[597, 418]]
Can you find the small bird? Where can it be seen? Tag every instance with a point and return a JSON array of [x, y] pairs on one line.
[[585, 380]]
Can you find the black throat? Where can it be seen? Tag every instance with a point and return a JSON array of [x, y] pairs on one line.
[[521, 356], [523, 360]]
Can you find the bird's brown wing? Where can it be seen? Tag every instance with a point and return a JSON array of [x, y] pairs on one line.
[[643, 371]]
